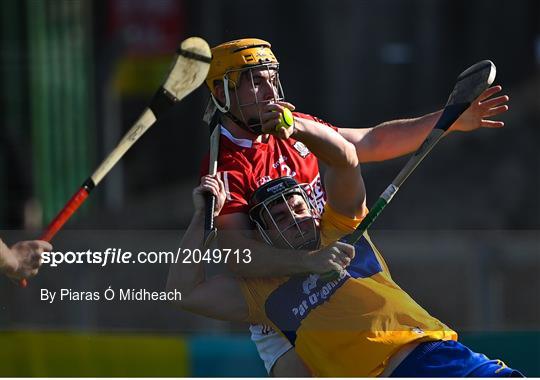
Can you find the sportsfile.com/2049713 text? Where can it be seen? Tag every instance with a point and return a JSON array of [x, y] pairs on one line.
[[119, 256]]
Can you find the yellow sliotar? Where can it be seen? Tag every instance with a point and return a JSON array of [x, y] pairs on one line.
[[286, 120]]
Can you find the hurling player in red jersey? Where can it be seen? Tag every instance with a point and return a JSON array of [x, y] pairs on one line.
[[244, 84]]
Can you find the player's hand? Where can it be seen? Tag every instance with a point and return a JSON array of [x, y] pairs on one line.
[[270, 118], [482, 108], [213, 185], [24, 259], [334, 257]]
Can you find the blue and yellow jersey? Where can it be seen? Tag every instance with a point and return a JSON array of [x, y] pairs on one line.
[[349, 326]]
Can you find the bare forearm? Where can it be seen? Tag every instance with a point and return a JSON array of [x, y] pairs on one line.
[[265, 260], [391, 139], [325, 143], [345, 191], [185, 277]]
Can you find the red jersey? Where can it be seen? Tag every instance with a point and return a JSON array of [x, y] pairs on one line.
[[244, 165]]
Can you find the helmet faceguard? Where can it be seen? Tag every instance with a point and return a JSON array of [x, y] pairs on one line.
[[236, 61], [254, 124], [282, 219]]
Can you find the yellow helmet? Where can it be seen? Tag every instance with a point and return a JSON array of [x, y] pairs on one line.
[[232, 57]]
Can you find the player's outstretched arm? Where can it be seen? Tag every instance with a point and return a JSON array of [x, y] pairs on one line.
[[399, 137], [217, 297], [23, 259]]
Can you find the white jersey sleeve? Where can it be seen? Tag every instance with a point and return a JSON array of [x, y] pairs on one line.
[[270, 344]]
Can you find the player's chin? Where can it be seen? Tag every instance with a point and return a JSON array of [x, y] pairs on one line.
[[309, 241], [309, 245], [296, 242]]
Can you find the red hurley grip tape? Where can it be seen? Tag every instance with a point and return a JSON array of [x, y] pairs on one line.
[[73, 204]]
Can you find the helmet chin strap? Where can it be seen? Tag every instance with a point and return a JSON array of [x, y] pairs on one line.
[[255, 129], [227, 107]]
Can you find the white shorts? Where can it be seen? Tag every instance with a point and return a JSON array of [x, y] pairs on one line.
[[270, 344]]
